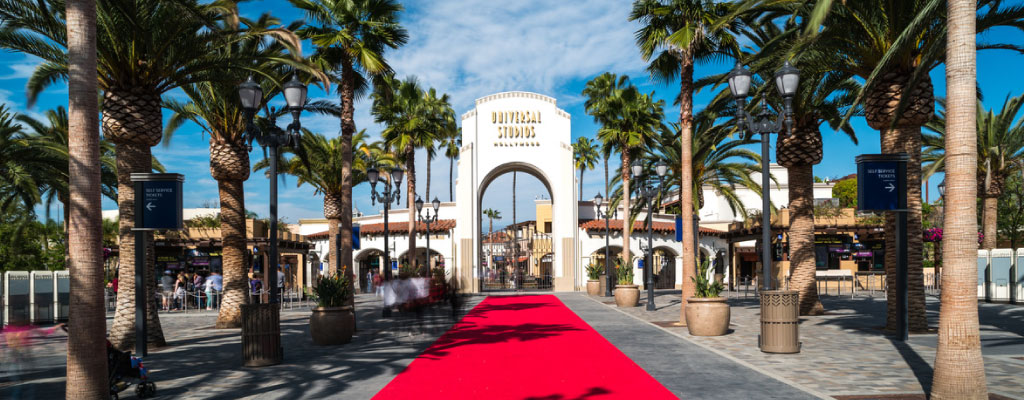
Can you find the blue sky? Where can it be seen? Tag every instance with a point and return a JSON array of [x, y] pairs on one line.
[[472, 48]]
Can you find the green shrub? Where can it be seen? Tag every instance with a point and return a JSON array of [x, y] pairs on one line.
[[594, 271], [625, 272], [332, 290], [706, 288]]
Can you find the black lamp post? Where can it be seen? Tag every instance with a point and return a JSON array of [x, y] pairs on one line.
[[606, 214], [386, 197], [429, 219], [786, 80], [649, 189], [272, 137]]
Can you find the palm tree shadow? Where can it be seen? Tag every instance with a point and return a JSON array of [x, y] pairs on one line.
[[469, 334], [922, 370], [594, 391]]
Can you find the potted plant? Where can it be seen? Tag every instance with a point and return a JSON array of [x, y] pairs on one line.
[[332, 321], [626, 293], [707, 314], [594, 279]]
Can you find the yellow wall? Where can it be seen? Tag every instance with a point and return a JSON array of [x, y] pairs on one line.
[[543, 216]]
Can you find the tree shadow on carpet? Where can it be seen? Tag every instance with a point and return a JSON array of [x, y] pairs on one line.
[[469, 334], [594, 391]]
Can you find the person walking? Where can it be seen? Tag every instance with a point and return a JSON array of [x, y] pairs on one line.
[[179, 292], [166, 289]]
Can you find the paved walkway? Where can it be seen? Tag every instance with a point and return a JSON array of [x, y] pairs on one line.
[[845, 351]]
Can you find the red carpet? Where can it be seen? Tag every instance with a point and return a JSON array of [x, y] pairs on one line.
[[523, 347]]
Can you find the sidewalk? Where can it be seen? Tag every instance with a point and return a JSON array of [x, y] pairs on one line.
[[845, 353], [202, 362]]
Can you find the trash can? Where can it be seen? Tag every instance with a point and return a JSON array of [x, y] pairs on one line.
[[261, 335], [780, 321]]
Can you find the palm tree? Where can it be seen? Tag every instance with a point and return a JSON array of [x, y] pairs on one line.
[[674, 35], [451, 146], [86, 354], [18, 165], [893, 46], [215, 107], [959, 367], [145, 48], [1000, 154], [351, 37], [629, 120], [49, 139], [408, 114], [585, 153], [491, 215], [441, 118]]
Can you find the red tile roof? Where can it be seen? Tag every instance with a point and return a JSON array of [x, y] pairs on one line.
[[441, 225], [639, 226]]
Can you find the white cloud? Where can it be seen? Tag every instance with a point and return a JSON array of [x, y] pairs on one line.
[[21, 69]]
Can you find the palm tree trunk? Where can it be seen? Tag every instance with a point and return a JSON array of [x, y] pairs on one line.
[[334, 228], [627, 227], [232, 226], [686, 178], [410, 166], [348, 128], [959, 368], [581, 184], [606, 178], [908, 140], [86, 360], [426, 197], [990, 221], [451, 179], [801, 238], [132, 158]]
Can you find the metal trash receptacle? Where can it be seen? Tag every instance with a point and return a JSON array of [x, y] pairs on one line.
[[261, 335], [780, 321]]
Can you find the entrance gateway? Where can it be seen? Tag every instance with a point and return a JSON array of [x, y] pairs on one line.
[[524, 132]]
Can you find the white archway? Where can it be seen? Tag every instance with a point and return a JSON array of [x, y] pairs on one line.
[[516, 131]]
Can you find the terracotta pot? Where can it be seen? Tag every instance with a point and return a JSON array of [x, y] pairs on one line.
[[594, 287], [707, 316], [627, 295], [332, 325]]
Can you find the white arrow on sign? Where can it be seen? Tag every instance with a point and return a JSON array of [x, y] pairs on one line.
[[891, 187], [150, 206]]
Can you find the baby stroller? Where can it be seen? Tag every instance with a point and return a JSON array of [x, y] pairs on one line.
[[124, 370]]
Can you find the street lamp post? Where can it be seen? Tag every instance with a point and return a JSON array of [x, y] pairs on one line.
[[606, 214], [386, 197], [429, 219], [271, 137], [649, 189], [786, 80]]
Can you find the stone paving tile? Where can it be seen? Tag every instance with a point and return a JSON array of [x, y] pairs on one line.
[[844, 352]]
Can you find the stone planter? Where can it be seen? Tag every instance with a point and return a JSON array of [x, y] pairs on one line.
[[707, 316], [594, 287], [627, 295], [332, 325]]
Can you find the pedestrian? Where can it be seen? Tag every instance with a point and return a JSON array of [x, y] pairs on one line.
[[197, 286], [369, 282], [255, 288], [213, 287], [179, 291], [166, 289]]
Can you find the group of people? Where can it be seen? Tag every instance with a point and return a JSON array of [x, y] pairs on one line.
[[256, 285], [174, 289]]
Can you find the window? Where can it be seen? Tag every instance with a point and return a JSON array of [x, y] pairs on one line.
[[547, 227]]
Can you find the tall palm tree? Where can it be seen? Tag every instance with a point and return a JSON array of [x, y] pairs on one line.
[[215, 107], [145, 48], [585, 153], [1000, 154], [408, 115], [959, 367], [629, 120], [87, 361], [491, 215], [351, 37], [451, 146], [442, 125], [674, 35], [893, 46]]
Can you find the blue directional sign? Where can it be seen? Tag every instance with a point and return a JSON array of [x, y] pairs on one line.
[[158, 199], [679, 228], [881, 181], [355, 238]]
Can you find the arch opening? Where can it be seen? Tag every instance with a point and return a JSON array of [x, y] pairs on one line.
[[519, 254]]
